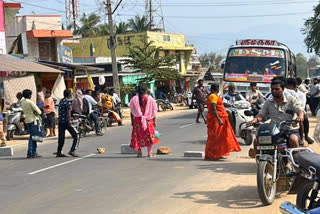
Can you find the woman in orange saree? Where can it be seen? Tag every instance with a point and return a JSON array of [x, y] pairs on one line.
[[221, 138]]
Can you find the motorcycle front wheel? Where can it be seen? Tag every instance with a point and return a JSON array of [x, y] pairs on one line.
[[307, 198], [103, 126], [266, 187], [10, 134]]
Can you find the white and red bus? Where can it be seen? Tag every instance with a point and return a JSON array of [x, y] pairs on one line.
[[258, 61]]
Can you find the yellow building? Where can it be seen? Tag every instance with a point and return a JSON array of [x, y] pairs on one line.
[[169, 42]]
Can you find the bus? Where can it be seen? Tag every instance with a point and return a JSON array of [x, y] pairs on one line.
[[258, 61]]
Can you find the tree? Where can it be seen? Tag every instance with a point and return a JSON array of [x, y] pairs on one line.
[[88, 27], [103, 30], [312, 31], [212, 61], [313, 62], [301, 62], [122, 27], [145, 58], [138, 24]]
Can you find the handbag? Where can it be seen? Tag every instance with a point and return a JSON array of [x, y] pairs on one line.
[[157, 138], [38, 136]]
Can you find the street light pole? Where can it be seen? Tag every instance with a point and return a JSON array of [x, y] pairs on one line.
[[112, 44]]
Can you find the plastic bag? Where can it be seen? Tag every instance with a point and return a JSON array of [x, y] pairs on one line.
[[157, 137], [316, 135]]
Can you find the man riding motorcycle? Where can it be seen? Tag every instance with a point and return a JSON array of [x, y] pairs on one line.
[[229, 99], [281, 107], [92, 102]]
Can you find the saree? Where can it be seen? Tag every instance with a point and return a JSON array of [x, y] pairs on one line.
[[143, 130], [221, 139]]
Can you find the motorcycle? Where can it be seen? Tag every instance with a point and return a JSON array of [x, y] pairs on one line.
[[241, 114], [13, 120], [85, 125], [164, 104], [111, 116], [277, 170]]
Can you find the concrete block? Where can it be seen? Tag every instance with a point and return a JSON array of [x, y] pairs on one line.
[[6, 151], [126, 149], [194, 154]]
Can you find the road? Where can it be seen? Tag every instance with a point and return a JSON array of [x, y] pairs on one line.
[[116, 183]]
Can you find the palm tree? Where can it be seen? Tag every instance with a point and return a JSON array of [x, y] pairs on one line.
[[122, 27], [138, 24], [89, 25], [103, 30]]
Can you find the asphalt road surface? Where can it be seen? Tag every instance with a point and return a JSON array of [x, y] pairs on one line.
[[116, 183]]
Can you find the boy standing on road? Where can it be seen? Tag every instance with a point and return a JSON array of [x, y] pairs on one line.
[[65, 124]]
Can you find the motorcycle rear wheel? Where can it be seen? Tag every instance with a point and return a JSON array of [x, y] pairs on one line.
[[266, 189], [303, 200]]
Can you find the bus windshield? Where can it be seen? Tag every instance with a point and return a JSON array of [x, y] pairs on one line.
[[254, 64]]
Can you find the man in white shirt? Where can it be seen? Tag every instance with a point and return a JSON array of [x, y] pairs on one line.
[[254, 95], [92, 102], [292, 86]]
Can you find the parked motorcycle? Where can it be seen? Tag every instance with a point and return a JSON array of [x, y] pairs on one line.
[[241, 114], [85, 125], [13, 120], [276, 165], [164, 104]]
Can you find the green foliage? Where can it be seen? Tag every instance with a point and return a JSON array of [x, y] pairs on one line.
[[122, 27], [138, 24], [312, 31], [127, 89], [88, 26], [146, 59]]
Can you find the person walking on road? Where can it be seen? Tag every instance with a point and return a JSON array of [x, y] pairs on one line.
[[200, 93], [32, 119], [65, 124], [314, 94], [50, 110], [143, 120], [221, 138]]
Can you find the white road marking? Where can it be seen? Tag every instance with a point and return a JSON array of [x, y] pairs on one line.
[[181, 127], [60, 164]]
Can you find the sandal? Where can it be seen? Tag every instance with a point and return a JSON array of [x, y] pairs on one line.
[[151, 156]]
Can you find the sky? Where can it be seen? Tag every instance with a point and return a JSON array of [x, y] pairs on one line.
[[210, 25]]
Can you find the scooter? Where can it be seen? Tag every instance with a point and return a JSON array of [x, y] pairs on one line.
[[14, 123], [289, 208], [241, 114], [164, 104]]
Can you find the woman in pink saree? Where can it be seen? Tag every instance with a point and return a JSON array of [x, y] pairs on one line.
[[143, 115]]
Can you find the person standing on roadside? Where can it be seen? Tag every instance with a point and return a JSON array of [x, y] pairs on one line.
[[50, 110], [32, 119], [65, 124], [314, 94], [200, 93], [143, 120]]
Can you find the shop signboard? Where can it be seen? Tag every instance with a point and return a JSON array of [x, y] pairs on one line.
[[66, 55]]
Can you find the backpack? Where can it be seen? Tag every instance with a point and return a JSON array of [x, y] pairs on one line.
[[85, 109]]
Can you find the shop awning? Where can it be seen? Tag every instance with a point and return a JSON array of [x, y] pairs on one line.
[[49, 34], [13, 64]]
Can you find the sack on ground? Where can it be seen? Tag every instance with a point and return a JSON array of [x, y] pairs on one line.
[[163, 150]]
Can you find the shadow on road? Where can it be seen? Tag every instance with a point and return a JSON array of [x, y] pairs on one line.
[[239, 197], [237, 168]]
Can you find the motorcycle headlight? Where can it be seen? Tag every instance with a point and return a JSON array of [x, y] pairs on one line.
[[265, 140]]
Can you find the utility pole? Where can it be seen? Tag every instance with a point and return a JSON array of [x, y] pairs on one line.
[[115, 76], [74, 15], [150, 26]]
